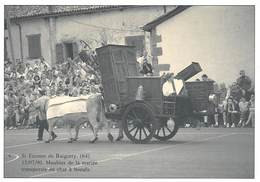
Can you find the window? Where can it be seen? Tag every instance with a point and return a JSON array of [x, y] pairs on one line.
[[34, 46], [69, 50], [137, 41], [66, 50]]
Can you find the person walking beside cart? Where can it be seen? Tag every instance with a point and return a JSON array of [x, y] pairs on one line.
[[43, 124]]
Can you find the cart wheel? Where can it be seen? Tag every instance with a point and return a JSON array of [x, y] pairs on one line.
[[164, 133], [138, 123]]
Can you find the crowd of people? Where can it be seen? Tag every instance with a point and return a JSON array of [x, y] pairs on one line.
[[240, 103], [235, 106], [25, 82]]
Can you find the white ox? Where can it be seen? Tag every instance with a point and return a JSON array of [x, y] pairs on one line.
[[75, 111]]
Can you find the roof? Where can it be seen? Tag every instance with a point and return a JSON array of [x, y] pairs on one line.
[[149, 26], [113, 45], [39, 11]]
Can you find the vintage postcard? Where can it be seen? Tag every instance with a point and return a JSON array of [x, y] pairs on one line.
[[129, 91]]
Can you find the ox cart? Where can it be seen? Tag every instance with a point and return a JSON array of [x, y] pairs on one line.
[[138, 101]]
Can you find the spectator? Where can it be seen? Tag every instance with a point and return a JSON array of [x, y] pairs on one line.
[[54, 71], [27, 68], [52, 91], [8, 66], [20, 83], [37, 91], [243, 108], [60, 89], [45, 82], [67, 86], [27, 95], [13, 75], [223, 92], [244, 82], [36, 71], [230, 111], [37, 80], [20, 69], [60, 77], [251, 117], [29, 75], [45, 70], [235, 92], [146, 67], [85, 90], [21, 103], [212, 113], [49, 75], [75, 90], [54, 80], [43, 64], [11, 110], [205, 78]]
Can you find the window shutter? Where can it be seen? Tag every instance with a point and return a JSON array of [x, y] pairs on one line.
[[59, 53], [137, 41], [75, 49], [34, 46]]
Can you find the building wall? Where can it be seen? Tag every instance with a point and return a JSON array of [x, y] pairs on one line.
[[37, 27], [29, 27], [109, 26], [220, 38]]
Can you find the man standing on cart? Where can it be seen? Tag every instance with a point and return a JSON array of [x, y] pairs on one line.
[[146, 67]]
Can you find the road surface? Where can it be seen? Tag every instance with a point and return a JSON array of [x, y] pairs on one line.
[[192, 153]]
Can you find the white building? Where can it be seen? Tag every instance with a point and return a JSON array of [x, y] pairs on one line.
[[58, 32], [220, 38]]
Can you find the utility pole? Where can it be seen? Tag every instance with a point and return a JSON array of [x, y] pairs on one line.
[[10, 38]]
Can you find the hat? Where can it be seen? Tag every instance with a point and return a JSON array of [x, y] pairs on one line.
[[10, 92], [36, 76]]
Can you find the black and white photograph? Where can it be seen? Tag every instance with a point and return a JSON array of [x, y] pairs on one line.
[[129, 91]]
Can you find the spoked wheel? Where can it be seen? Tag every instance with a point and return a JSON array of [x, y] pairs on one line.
[[138, 122], [164, 132]]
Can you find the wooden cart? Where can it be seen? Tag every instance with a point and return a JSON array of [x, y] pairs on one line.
[[138, 101]]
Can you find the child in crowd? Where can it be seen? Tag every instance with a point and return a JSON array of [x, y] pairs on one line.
[[230, 112], [251, 117], [37, 80], [36, 91], [11, 111], [52, 91], [29, 75], [75, 90], [60, 88], [243, 108]]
